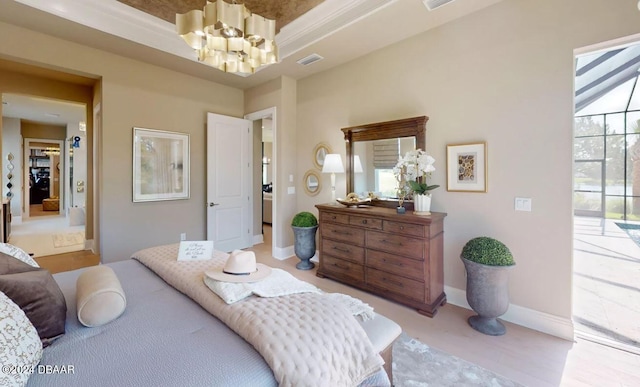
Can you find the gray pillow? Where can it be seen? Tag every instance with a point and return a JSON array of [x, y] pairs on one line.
[[36, 292]]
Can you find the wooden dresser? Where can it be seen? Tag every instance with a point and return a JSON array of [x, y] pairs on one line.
[[398, 257]]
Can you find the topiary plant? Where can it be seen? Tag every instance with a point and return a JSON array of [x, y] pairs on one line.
[[304, 219], [487, 251]]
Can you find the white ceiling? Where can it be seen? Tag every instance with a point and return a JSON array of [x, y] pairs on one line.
[[338, 30]]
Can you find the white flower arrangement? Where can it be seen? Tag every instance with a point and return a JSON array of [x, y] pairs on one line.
[[412, 171]]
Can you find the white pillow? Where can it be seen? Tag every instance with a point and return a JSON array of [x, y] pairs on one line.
[[17, 253], [20, 345], [99, 296]]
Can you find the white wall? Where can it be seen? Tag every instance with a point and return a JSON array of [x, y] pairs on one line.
[[503, 75]]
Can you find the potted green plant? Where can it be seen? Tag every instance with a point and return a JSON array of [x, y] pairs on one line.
[[304, 225], [487, 261]]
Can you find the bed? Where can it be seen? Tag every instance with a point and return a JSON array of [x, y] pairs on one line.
[[165, 338]]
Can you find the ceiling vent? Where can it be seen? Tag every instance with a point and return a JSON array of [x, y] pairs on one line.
[[307, 60], [433, 4]]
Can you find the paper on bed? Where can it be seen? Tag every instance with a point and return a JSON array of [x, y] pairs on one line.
[[279, 283]]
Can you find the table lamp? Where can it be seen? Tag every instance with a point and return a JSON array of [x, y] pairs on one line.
[[333, 164]]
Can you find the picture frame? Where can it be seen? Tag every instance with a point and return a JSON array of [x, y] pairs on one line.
[[467, 167], [160, 165], [319, 153]]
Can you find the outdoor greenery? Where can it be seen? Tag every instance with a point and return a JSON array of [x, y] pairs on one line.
[[608, 147], [487, 251], [304, 219]]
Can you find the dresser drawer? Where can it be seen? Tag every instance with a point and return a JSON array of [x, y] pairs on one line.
[[343, 233], [395, 264], [366, 222], [401, 245], [336, 218], [342, 268], [400, 285], [343, 250], [404, 228]]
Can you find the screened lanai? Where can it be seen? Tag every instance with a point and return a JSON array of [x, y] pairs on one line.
[[607, 130]]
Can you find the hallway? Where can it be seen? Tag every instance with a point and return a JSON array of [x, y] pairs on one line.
[[47, 235], [606, 295]]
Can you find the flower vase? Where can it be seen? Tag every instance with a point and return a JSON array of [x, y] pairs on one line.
[[422, 204]]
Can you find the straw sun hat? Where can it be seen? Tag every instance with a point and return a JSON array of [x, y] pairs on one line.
[[241, 266]]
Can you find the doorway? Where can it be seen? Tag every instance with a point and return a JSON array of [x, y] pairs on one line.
[[37, 132], [606, 182], [266, 118]]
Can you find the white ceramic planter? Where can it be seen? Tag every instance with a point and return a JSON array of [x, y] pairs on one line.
[[422, 204]]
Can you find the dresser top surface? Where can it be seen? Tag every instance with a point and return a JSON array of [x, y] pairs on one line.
[[382, 212]]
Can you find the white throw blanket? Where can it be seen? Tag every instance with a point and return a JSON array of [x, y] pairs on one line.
[[307, 339], [279, 283]]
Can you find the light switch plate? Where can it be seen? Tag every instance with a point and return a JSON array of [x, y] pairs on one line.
[[523, 204]]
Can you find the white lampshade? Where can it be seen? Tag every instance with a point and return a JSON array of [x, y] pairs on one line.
[[332, 164], [357, 165]]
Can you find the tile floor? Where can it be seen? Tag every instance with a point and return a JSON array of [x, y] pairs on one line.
[[606, 283]]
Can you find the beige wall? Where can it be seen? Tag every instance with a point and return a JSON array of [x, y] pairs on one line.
[[505, 76], [142, 95]]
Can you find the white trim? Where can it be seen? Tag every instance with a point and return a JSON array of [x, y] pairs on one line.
[[533, 319], [116, 18], [609, 45], [325, 19], [258, 239], [283, 253], [264, 113]]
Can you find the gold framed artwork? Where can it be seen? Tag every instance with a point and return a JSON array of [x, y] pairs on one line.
[[467, 167], [160, 165]]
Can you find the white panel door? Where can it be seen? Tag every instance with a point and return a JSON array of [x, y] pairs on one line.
[[229, 200]]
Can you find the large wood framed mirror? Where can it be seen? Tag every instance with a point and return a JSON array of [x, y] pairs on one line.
[[373, 151]]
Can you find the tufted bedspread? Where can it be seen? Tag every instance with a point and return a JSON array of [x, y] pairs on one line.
[[307, 339]]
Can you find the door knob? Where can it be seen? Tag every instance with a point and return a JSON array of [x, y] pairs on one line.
[[213, 204]]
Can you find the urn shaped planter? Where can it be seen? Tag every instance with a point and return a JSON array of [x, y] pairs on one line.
[[305, 246], [487, 262], [488, 296], [304, 225]]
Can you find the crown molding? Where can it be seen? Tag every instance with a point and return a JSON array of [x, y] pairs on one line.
[[116, 18]]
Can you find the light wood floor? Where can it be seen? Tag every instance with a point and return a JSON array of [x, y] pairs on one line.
[[523, 355], [68, 261]]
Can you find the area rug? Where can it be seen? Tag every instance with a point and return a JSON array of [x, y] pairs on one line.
[[417, 364], [70, 239], [632, 229]]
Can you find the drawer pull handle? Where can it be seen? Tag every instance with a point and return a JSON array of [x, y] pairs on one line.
[[334, 217], [401, 227], [391, 243], [364, 221], [343, 250]]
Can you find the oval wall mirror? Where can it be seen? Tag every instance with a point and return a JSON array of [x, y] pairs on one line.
[[311, 183], [319, 152]]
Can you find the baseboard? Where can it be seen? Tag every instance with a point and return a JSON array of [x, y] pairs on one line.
[[533, 319], [283, 253], [257, 239]]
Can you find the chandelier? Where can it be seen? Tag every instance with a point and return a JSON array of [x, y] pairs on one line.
[[229, 37]]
